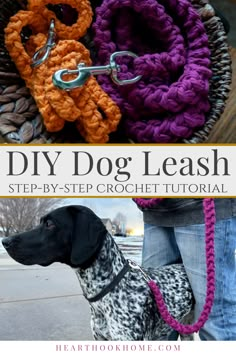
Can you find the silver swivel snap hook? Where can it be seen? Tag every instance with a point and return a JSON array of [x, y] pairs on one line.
[[135, 266], [43, 53], [84, 72]]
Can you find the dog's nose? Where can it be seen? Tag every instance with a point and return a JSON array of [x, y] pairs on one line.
[[6, 242]]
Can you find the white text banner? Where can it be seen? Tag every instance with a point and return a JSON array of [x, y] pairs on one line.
[[118, 171]]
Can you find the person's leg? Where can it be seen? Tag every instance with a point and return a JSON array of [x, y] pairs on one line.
[[221, 324], [160, 248]]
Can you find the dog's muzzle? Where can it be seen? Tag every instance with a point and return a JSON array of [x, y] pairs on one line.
[[6, 242]]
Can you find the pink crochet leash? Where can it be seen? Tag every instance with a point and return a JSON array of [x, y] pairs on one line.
[[209, 213]]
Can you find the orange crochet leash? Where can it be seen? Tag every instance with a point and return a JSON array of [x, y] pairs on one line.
[[75, 31], [86, 105]]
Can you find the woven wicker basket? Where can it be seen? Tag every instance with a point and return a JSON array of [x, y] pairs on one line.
[[20, 121]]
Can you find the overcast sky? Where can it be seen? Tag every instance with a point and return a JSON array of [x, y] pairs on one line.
[[109, 207]]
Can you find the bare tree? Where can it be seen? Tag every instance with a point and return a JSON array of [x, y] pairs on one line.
[[21, 214], [120, 222]]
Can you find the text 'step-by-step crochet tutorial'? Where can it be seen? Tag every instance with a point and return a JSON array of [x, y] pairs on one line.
[[116, 71]]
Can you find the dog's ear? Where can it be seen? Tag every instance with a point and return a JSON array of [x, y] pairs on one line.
[[87, 236]]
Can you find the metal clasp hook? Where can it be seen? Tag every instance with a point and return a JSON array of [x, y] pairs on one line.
[[84, 72], [135, 266], [42, 54]]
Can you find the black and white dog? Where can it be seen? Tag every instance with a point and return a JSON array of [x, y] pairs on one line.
[[122, 305]]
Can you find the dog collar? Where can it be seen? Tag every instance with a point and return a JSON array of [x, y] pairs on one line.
[[128, 265], [112, 285]]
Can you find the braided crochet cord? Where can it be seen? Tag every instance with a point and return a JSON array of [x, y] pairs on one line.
[[20, 120], [147, 203], [95, 114], [171, 99], [75, 31], [209, 211]]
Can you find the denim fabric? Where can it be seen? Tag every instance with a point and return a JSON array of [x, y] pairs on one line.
[[166, 245]]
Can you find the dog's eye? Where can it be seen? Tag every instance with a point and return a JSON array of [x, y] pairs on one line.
[[49, 224]]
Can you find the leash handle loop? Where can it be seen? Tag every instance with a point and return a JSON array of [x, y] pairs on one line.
[[64, 31]]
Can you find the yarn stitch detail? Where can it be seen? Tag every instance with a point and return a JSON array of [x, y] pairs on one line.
[[171, 99], [86, 105], [210, 218]]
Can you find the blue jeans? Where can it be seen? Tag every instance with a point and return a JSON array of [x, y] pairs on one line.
[[167, 245]]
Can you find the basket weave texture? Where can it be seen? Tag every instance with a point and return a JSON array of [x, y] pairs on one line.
[[21, 122]]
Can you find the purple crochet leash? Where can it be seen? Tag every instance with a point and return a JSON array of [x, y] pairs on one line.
[[171, 99], [209, 212]]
